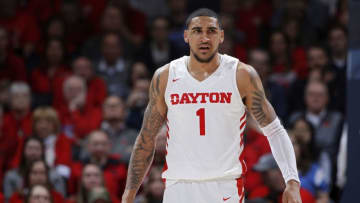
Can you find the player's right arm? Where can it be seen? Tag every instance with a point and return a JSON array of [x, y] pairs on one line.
[[144, 147]]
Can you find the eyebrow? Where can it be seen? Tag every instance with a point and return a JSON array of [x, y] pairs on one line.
[[210, 27]]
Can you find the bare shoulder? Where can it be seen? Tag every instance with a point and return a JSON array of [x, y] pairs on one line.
[[160, 78], [247, 78]]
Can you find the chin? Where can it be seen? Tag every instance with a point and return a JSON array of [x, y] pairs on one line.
[[207, 59]]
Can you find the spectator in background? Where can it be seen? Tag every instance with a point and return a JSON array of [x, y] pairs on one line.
[[18, 121], [311, 175], [134, 25], [137, 101], [77, 28], [233, 44], [260, 60], [113, 67], [23, 30], [96, 87], [12, 67], [39, 194], [112, 21], [338, 44], [281, 61], [338, 47], [37, 173], [114, 124], [47, 126], [292, 30], [327, 123], [303, 132], [229, 7], [32, 150], [158, 51], [100, 194], [232, 48], [46, 79], [304, 12], [91, 177], [318, 69], [138, 71], [153, 187], [343, 13], [177, 16], [252, 17], [114, 172], [271, 191], [41, 10], [54, 28], [77, 117]]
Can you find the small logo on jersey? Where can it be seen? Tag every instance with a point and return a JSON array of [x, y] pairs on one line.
[[174, 80], [225, 199]]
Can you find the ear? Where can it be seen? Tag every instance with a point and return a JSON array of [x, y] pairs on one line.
[[186, 36], [222, 36]]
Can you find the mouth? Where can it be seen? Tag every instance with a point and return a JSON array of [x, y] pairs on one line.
[[204, 48]]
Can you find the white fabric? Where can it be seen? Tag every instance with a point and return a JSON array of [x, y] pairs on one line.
[[50, 155], [63, 171], [228, 191], [216, 154], [282, 149], [315, 119], [342, 159]]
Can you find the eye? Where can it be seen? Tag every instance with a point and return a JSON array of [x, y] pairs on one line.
[[212, 30]]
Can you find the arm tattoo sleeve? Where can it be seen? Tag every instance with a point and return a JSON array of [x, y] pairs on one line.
[[260, 108], [144, 147]]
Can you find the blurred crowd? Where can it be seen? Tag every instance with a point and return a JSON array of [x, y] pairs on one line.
[[74, 79]]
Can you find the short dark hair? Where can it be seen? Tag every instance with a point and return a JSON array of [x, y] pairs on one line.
[[202, 12]]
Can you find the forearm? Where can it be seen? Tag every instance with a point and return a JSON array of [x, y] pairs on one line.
[[140, 161], [143, 151], [282, 149]]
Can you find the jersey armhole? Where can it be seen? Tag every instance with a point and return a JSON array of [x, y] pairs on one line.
[[235, 83], [170, 77]]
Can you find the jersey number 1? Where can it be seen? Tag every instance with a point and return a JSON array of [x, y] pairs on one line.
[[201, 114]]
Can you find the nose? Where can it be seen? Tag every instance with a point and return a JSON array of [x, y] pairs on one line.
[[204, 38]]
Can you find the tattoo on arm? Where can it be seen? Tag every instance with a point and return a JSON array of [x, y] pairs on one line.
[[260, 108], [144, 147], [256, 108]]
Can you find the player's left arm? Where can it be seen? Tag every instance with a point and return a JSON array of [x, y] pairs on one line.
[[252, 91]]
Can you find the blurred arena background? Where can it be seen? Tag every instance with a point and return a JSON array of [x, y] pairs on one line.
[[74, 79]]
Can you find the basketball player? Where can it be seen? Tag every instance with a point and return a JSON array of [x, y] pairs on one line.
[[203, 99]]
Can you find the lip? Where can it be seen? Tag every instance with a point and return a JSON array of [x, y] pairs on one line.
[[204, 49]]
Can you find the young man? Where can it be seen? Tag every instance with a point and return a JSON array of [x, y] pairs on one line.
[[203, 100]]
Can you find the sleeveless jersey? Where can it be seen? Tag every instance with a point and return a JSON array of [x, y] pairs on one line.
[[205, 123]]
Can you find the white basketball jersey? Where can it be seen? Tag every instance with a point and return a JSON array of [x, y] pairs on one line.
[[205, 123]]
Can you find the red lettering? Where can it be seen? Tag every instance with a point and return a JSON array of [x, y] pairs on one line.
[[185, 99], [225, 97], [203, 95], [194, 97], [174, 99], [216, 99]]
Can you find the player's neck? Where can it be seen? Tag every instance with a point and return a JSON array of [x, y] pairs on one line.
[[195, 66]]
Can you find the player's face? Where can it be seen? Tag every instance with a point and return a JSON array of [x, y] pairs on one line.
[[204, 36]]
